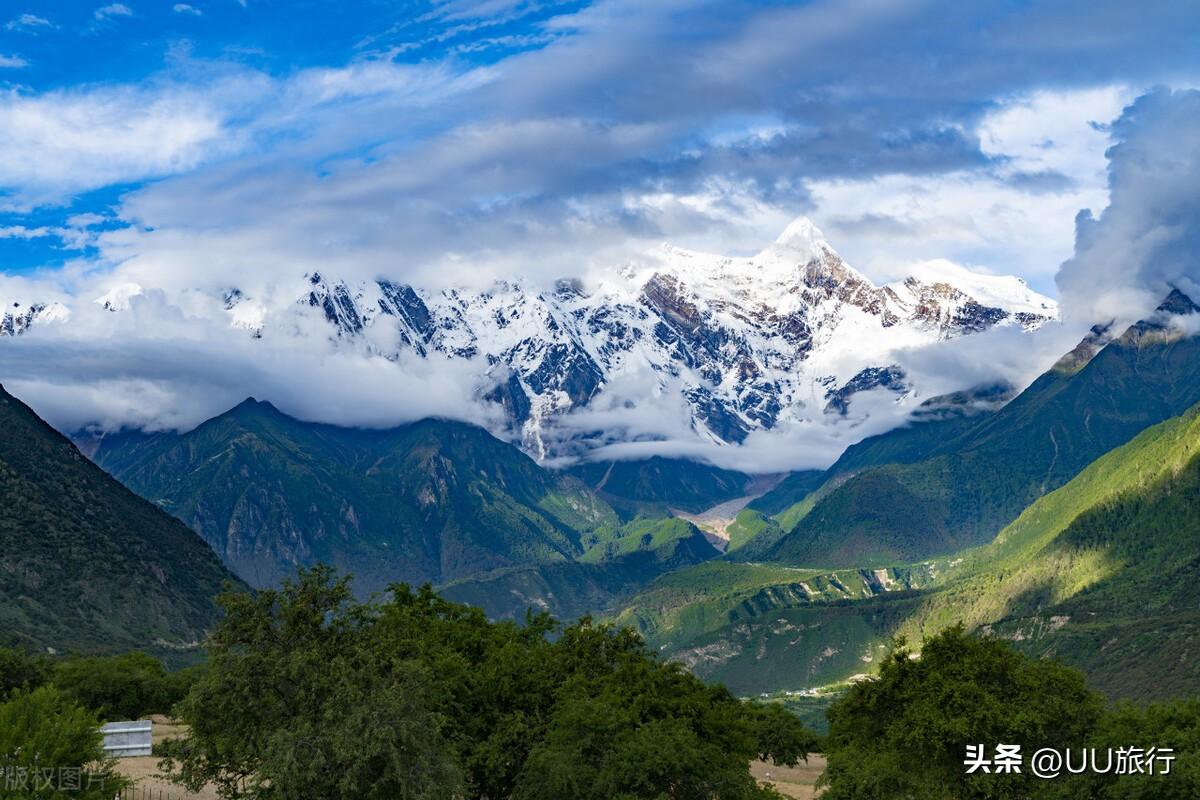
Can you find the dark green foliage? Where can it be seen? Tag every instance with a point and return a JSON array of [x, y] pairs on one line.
[[301, 701], [1169, 725], [905, 733], [21, 671], [46, 730], [667, 482], [971, 485], [624, 726], [87, 565], [124, 687], [421, 697], [432, 501]]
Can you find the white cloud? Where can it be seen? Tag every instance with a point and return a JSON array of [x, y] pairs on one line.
[[1055, 131], [67, 141], [112, 10], [158, 365], [28, 23], [184, 8], [993, 219], [1145, 241], [55, 144], [12, 62], [21, 232]]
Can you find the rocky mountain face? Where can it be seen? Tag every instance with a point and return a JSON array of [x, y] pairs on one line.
[[736, 344], [18, 317]]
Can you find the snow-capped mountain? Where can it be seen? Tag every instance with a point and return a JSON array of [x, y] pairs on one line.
[[742, 344], [19, 317]]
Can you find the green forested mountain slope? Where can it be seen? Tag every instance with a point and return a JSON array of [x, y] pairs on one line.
[[767, 518], [435, 501], [973, 484], [665, 482], [431, 501], [791, 490], [87, 565], [1104, 572], [607, 573], [765, 627]]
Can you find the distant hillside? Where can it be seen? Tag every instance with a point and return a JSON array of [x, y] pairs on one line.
[[970, 485], [665, 482], [431, 501], [435, 501], [768, 518], [89, 566], [607, 573]]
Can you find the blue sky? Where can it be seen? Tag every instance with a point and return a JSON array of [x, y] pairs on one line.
[[52, 47]]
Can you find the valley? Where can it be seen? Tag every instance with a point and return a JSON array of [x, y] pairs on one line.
[[978, 511]]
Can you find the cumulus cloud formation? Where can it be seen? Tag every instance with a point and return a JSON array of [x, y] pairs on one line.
[[701, 125], [1147, 240], [157, 365]]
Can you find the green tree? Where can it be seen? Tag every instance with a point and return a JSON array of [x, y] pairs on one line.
[[905, 733], [19, 670], [44, 735], [296, 703], [519, 708], [309, 694], [625, 725], [1174, 725], [127, 686]]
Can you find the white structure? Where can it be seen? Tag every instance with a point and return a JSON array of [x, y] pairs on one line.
[[125, 739]]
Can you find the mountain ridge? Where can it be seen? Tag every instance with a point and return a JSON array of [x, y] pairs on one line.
[[740, 344], [89, 566], [429, 501]]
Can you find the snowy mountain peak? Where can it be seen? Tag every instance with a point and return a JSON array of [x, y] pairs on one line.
[[802, 235], [119, 297], [790, 336], [18, 317]]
